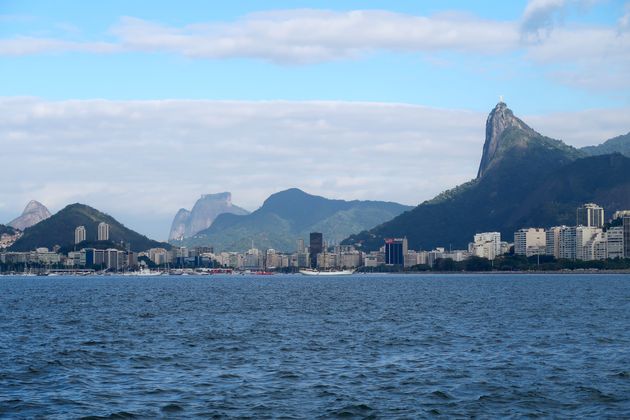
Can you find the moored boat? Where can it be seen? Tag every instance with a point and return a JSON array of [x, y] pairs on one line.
[[312, 272]]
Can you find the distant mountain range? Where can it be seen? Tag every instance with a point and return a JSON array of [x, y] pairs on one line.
[[34, 213], [59, 228], [524, 180], [188, 223], [619, 144], [289, 215]]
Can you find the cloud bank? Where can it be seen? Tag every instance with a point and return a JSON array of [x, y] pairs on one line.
[[143, 160]]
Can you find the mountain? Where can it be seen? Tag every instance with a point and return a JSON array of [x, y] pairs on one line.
[[188, 223], [7, 230], [59, 230], [290, 215], [525, 179], [33, 213], [619, 144]]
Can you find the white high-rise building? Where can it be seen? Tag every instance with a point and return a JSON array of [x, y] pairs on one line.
[[486, 245], [589, 243], [79, 234], [614, 240], [590, 215], [552, 239], [103, 231], [531, 241], [566, 243]]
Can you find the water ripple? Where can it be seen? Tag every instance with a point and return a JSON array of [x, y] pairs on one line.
[[294, 347]]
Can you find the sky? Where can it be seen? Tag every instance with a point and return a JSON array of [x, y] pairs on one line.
[[137, 108]]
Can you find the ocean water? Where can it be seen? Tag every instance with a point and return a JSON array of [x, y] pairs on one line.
[[295, 347]]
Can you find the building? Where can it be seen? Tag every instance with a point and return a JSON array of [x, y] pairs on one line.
[[590, 215], [316, 246], [416, 258], [395, 251], [94, 257], [614, 242], [159, 256], [103, 231], [253, 260], [114, 259], [626, 236], [589, 243], [485, 245], [531, 241], [552, 241], [301, 249], [619, 214], [79, 234], [566, 243]]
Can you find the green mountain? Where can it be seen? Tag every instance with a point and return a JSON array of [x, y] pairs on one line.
[[59, 230], [524, 179], [290, 215], [619, 144]]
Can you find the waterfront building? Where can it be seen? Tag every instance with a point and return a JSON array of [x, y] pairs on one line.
[[590, 215], [316, 246], [273, 259], [114, 259], [158, 255], [614, 241], [486, 245], [94, 257], [252, 260], [103, 231], [301, 249], [589, 243], [530, 241], [414, 258], [44, 256], [552, 241], [327, 260], [79, 234], [566, 242], [626, 236], [457, 255], [75, 259], [395, 250]]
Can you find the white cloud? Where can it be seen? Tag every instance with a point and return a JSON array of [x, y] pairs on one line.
[[142, 160], [31, 45], [305, 35], [583, 56]]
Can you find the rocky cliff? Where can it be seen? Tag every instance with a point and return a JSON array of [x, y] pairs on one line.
[[188, 223], [34, 213]]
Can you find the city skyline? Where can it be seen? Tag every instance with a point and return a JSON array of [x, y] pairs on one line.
[[166, 123]]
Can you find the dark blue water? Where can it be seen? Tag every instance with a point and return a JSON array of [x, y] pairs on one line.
[[286, 346]]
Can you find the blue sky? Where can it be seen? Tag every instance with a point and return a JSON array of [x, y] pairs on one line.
[[441, 78], [186, 98]]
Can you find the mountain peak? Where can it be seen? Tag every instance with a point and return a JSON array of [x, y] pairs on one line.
[[500, 119], [187, 223], [33, 213]]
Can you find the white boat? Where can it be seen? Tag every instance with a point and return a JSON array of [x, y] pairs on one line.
[[144, 272], [311, 272]]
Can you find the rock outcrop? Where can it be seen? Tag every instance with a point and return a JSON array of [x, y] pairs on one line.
[[499, 119], [34, 213], [206, 209]]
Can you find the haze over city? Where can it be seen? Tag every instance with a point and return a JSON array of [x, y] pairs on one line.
[[138, 109]]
